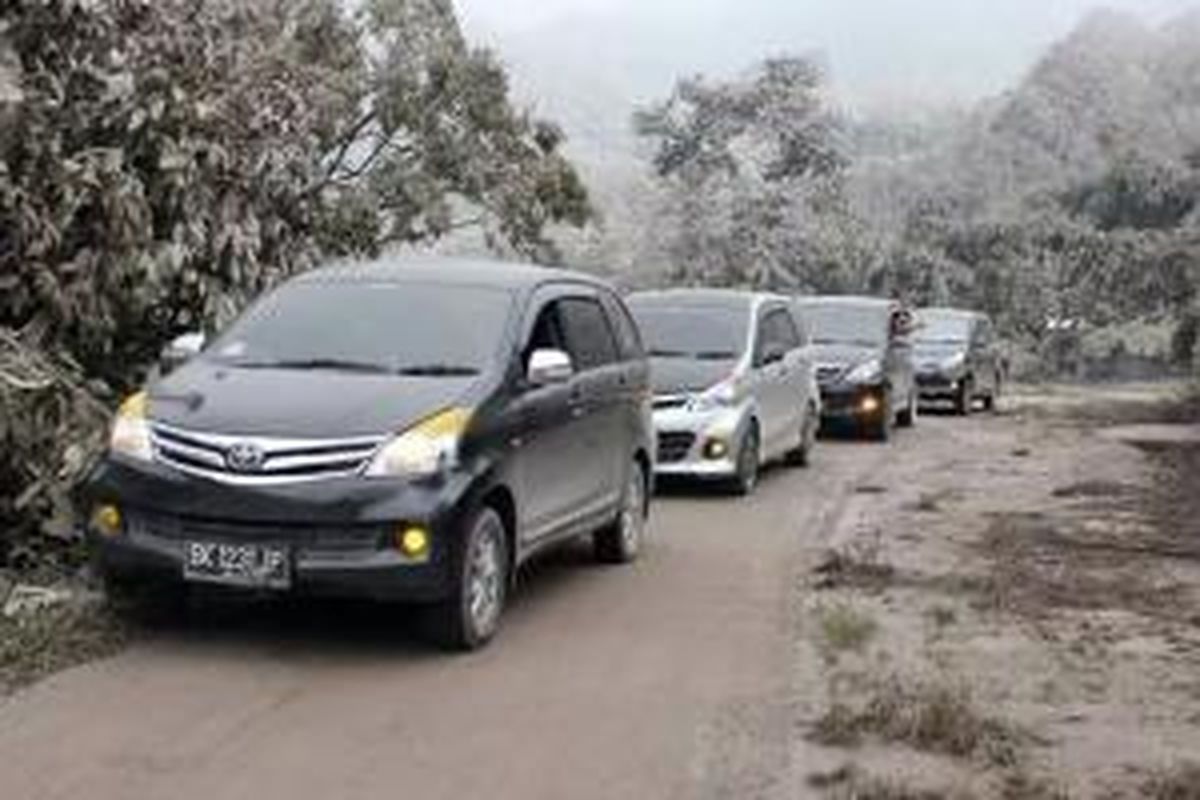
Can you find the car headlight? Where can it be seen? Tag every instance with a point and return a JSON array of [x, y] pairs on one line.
[[427, 448], [726, 394], [130, 434], [866, 372]]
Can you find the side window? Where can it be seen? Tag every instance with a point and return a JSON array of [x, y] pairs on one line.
[[547, 333], [589, 337], [776, 331], [801, 326], [629, 340], [789, 334]]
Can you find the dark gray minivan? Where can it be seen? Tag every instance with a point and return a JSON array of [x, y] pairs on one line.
[[399, 430]]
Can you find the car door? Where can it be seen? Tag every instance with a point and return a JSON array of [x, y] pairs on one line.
[[987, 362], [598, 383], [549, 428], [774, 370], [898, 361]]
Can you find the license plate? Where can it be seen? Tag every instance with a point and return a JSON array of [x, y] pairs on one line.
[[246, 565]]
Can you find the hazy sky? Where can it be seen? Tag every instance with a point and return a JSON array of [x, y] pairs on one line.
[[939, 49]]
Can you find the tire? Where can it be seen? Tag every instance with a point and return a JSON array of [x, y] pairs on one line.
[[469, 618], [621, 542], [965, 398], [746, 480], [989, 402], [802, 455], [907, 417]]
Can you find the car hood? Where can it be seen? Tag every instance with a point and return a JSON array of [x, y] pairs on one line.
[[683, 375], [843, 355], [317, 404]]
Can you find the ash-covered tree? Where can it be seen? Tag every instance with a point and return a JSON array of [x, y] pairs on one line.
[[163, 161], [753, 171]]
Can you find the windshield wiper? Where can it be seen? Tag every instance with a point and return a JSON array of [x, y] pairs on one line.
[[667, 354], [317, 363], [438, 371], [715, 355]]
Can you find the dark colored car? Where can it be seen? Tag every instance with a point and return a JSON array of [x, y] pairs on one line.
[[958, 359], [864, 357], [401, 430]]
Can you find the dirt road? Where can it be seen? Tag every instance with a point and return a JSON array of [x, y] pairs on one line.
[[715, 668], [657, 681]]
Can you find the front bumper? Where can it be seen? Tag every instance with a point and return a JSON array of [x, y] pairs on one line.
[[699, 444], [338, 533], [938, 385], [855, 403]]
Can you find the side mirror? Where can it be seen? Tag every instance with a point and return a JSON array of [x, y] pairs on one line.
[[773, 353], [547, 367], [181, 350]]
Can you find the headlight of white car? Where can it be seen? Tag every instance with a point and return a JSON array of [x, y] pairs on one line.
[[130, 434], [726, 394], [427, 448], [866, 372]]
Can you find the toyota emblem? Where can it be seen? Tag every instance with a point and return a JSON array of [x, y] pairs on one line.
[[245, 457]]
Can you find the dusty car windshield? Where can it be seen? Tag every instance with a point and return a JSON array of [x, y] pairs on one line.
[[708, 333], [425, 330], [847, 324], [943, 329]]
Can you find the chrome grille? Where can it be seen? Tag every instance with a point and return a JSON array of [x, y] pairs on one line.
[[257, 460], [674, 447], [829, 373]]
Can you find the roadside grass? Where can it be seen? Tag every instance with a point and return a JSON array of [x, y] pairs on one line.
[[36, 646], [1181, 782], [932, 717], [858, 565], [845, 628], [851, 782]]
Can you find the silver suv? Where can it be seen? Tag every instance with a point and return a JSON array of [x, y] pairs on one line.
[[734, 386]]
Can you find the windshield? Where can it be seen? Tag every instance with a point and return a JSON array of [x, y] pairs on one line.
[[415, 329], [707, 333], [947, 329], [840, 323]]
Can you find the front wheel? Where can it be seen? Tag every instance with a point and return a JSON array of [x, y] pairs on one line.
[[802, 455], [621, 542], [746, 479], [469, 618], [964, 399]]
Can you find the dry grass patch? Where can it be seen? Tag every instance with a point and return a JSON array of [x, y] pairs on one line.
[[44, 643], [1178, 783], [845, 628], [931, 717]]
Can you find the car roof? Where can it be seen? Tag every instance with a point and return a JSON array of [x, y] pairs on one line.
[[445, 271], [847, 300], [961, 313], [700, 297]]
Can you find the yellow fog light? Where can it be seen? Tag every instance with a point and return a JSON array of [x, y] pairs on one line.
[[870, 404], [107, 521], [716, 449], [413, 542]]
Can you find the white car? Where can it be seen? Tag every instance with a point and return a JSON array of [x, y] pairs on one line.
[[733, 380]]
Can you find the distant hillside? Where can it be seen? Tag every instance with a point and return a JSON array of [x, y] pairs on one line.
[[1114, 86]]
